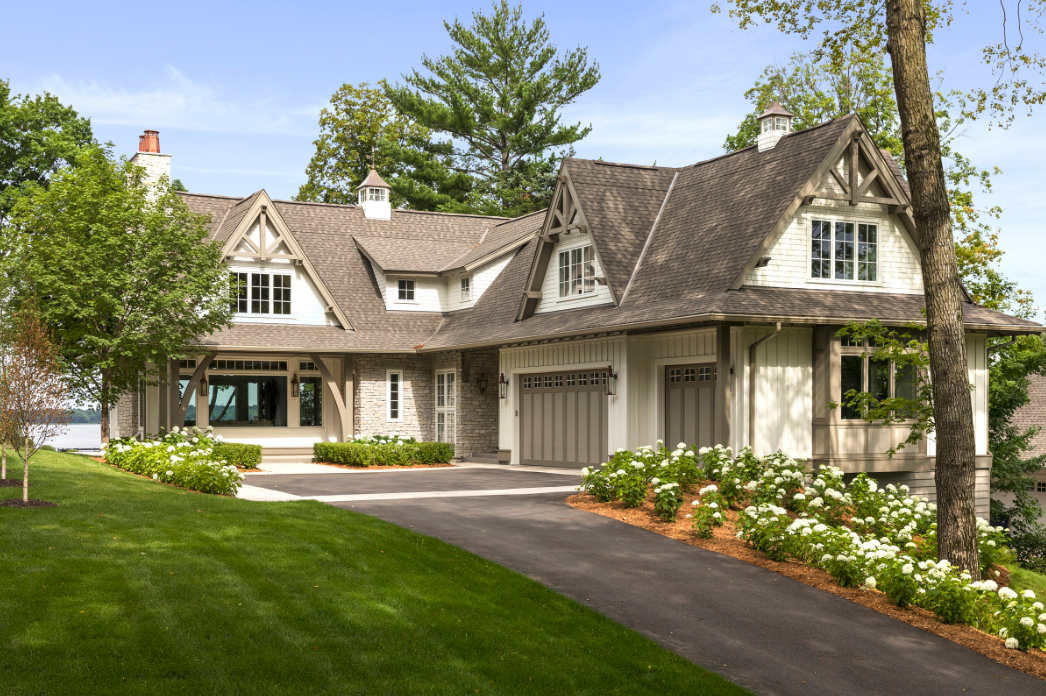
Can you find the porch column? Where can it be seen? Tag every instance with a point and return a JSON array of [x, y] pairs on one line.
[[191, 389], [347, 368], [173, 402], [339, 400]]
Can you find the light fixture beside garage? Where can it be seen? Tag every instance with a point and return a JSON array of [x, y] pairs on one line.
[[481, 383], [503, 386], [611, 381]]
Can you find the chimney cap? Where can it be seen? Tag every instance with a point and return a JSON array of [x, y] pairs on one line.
[[149, 141], [775, 109], [374, 181]]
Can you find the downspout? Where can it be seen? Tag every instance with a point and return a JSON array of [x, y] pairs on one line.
[[751, 383]]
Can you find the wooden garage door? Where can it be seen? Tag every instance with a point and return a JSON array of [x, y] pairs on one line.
[[690, 405], [563, 419]]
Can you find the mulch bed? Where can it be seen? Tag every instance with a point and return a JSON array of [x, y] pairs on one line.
[[380, 468], [723, 541], [19, 503], [11, 483]]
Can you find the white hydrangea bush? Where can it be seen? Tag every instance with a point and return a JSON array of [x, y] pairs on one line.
[[184, 457], [861, 534]]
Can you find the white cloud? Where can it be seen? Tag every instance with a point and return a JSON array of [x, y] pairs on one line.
[[180, 102]]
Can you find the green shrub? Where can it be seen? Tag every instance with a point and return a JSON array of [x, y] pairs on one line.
[[388, 453], [184, 458], [238, 454], [1030, 550]]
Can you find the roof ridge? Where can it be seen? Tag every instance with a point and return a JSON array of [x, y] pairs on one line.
[[209, 195], [543, 211], [395, 210], [654, 167], [745, 149]]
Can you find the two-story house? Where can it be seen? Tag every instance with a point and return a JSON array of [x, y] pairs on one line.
[[695, 304]]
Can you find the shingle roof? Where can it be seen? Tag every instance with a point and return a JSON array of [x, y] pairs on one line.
[[235, 215], [1033, 414], [498, 237], [215, 207], [620, 203], [395, 254]]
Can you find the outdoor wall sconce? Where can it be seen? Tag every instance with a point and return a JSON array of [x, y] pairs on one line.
[[294, 385], [611, 381], [203, 387], [481, 382], [503, 386]]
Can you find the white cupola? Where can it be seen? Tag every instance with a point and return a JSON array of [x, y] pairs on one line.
[[774, 124], [374, 197]]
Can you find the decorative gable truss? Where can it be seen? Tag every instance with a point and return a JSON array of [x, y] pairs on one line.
[[564, 216], [858, 169], [262, 235]]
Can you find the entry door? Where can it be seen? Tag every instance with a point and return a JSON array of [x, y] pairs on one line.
[[690, 405], [563, 419]]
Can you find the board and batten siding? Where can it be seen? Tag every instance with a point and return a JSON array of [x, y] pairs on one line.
[[899, 270], [307, 305], [783, 391], [587, 354], [550, 300], [648, 355]]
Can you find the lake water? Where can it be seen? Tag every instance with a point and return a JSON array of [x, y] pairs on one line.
[[79, 436]]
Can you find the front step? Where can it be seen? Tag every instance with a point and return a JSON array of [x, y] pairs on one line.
[[480, 458], [287, 455]]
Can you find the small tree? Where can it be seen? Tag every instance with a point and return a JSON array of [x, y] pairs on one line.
[[125, 275], [33, 393]]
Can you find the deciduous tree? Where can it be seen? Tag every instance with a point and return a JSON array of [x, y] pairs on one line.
[[124, 274], [33, 391], [903, 28]]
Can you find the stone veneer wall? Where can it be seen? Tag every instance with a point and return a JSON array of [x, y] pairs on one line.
[[369, 398], [127, 419], [477, 414]]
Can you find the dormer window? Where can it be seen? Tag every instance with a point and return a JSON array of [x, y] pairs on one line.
[[577, 271], [466, 289]]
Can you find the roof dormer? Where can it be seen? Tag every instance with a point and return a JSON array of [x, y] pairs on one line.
[[374, 197], [774, 124]]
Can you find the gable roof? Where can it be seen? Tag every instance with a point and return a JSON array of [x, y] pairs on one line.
[[393, 255]]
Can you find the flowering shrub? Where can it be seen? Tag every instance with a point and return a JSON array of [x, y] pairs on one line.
[[861, 534], [183, 457], [708, 511]]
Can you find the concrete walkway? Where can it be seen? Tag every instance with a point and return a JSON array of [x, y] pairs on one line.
[[761, 630]]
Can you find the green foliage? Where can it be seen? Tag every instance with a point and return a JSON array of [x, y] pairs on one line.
[[668, 498], [177, 185], [906, 350], [126, 279], [816, 91], [383, 453], [79, 415], [708, 511], [1030, 551], [184, 458], [360, 131], [498, 98], [239, 454], [38, 135]]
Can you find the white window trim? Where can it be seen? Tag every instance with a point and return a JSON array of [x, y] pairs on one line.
[[395, 285], [568, 247], [388, 396], [810, 215], [466, 298], [446, 409]]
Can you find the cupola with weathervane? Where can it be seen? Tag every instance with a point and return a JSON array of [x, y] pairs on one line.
[[774, 124], [374, 197]]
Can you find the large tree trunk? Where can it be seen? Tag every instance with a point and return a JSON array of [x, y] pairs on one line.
[[104, 405], [3, 458], [953, 410]]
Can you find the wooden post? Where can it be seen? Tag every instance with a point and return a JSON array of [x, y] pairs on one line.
[[339, 401], [262, 242]]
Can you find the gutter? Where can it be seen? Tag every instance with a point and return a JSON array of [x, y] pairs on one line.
[[751, 383]]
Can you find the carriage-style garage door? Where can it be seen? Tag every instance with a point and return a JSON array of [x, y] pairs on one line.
[[690, 405], [563, 419]]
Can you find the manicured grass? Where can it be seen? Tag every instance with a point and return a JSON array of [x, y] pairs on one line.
[[1021, 579], [133, 587]]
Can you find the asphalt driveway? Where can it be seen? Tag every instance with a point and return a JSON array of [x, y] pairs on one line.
[[761, 630]]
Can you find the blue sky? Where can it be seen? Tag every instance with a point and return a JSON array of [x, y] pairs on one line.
[[235, 88]]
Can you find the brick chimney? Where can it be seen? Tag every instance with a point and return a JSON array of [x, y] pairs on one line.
[[149, 156]]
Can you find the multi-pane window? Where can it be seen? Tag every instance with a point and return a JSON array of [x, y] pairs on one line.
[[675, 375], [247, 400], [690, 374], [310, 401], [238, 292], [548, 381], [406, 290], [394, 396], [376, 194], [281, 294], [259, 293], [706, 374], [446, 406], [883, 379], [307, 367], [844, 250], [466, 289], [187, 364], [275, 365], [526, 382], [577, 271]]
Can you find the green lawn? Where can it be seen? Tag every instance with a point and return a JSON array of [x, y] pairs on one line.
[[1021, 579], [129, 586]]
